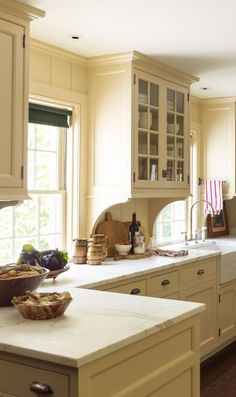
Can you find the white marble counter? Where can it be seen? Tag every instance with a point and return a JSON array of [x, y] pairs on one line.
[[96, 323], [90, 276]]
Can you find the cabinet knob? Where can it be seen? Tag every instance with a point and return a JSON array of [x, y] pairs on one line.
[[135, 291], [40, 388], [201, 271], [165, 282]]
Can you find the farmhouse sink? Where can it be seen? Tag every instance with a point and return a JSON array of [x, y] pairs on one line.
[[227, 247]]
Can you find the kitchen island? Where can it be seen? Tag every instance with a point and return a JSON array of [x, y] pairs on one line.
[[106, 344]]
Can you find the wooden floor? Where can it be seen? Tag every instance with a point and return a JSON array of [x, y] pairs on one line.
[[217, 365]]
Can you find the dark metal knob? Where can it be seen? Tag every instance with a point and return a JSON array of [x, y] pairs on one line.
[[201, 271], [40, 388], [135, 291], [165, 282]]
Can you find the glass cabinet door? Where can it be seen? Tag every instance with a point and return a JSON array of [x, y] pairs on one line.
[[175, 136], [148, 131]]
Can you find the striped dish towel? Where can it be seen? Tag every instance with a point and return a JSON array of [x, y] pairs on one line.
[[213, 194], [170, 253]]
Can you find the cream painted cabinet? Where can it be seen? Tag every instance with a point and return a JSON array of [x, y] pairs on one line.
[[205, 293], [14, 41], [218, 151], [165, 285], [138, 131], [227, 313], [161, 146], [164, 364], [199, 282]]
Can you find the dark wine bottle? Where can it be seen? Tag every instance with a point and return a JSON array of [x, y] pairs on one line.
[[133, 231]]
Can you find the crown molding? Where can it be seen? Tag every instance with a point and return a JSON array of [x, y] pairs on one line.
[[21, 10]]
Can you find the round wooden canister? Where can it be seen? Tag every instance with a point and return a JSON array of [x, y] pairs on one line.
[[101, 239], [80, 251], [94, 254]]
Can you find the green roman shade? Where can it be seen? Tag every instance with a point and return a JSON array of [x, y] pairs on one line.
[[57, 117]]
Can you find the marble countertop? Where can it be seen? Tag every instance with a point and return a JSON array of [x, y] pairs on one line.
[[96, 323], [91, 276]]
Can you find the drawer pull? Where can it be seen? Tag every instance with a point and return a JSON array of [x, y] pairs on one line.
[[40, 388], [135, 291], [201, 271], [165, 282]]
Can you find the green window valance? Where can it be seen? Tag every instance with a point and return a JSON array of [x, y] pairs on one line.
[[48, 115]]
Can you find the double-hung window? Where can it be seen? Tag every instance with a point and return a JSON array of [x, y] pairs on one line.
[[41, 220]]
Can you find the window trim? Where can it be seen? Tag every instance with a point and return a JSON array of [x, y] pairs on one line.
[[76, 139]]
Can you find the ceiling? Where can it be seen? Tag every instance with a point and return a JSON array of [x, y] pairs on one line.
[[195, 36]]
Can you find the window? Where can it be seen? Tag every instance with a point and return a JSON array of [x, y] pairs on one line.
[[171, 222], [39, 221]]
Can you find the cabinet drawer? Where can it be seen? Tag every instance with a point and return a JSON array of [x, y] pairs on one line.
[[163, 283], [199, 271], [24, 375], [134, 288]]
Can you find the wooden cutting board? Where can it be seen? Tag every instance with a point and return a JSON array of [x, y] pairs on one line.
[[116, 232]]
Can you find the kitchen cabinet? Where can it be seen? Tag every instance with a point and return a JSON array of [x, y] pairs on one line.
[[227, 314], [162, 364], [205, 293], [138, 131], [14, 42], [218, 143], [161, 145], [165, 285], [138, 287], [199, 283], [195, 281]]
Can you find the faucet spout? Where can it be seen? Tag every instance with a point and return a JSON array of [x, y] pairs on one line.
[[191, 215]]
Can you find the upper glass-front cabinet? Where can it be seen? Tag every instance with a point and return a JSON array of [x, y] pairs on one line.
[[161, 141], [175, 136], [148, 134]]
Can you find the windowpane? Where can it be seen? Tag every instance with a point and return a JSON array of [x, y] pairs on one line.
[[6, 222], [26, 219], [46, 171], [6, 251], [50, 207], [171, 222], [47, 138]]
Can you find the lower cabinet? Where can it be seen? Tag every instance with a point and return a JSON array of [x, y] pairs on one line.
[[197, 282], [164, 364], [138, 287], [205, 293], [227, 314]]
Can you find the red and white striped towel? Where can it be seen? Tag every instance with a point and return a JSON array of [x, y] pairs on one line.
[[213, 194]]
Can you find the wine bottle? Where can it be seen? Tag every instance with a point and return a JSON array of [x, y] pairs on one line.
[[133, 231]]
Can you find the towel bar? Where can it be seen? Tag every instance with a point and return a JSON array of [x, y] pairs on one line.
[[200, 181]]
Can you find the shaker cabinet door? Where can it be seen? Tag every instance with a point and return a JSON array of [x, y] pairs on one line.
[[11, 104]]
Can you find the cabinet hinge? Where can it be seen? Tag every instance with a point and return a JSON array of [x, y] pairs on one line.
[[133, 177], [188, 179], [188, 97], [22, 172], [219, 332], [23, 40], [219, 299], [134, 78]]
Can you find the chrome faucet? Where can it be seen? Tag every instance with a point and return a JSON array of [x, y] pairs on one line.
[[191, 215]]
